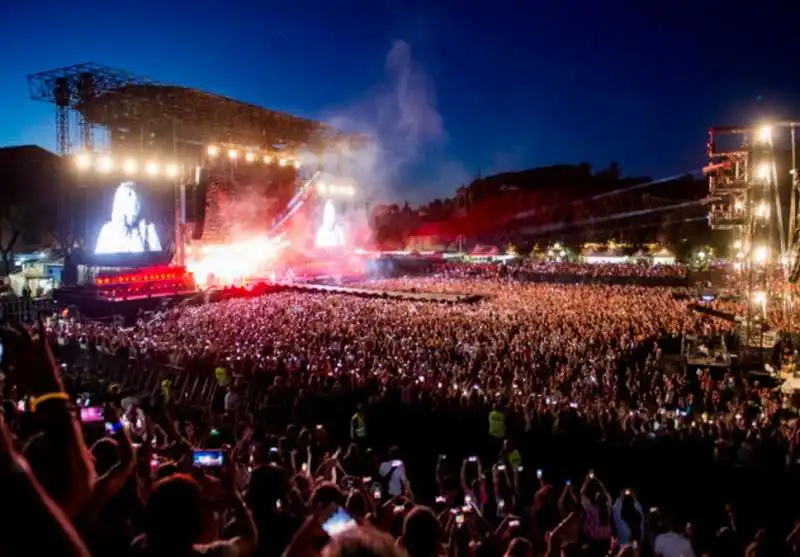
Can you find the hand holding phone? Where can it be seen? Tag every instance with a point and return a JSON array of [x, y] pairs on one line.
[[92, 415], [338, 523], [208, 458]]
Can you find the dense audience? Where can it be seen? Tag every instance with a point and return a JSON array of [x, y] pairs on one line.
[[543, 420]]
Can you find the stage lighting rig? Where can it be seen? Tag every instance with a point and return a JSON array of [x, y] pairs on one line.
[[336, 188], [744, 183], [128, 107], [128, 166]]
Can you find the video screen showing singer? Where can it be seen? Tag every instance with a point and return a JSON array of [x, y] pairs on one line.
[[127, 231], [329, 234]]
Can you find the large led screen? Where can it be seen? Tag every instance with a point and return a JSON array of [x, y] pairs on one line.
[[128, 220]]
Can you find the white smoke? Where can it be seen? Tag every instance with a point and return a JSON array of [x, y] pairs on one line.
[[402, 121]]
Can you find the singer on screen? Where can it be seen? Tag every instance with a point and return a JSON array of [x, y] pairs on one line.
[[329, 234], [127, 231]]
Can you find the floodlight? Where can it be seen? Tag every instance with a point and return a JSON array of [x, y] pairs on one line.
[[129, 166], [83, 161], [233, 154], [172, 170], [765, 134], [151, 168], [105, 164], [213, 150], [760, 254], [249, 157]]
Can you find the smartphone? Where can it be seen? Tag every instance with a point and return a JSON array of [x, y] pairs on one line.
[[473, 459], [440, 499], [501, 467], [92, 415], [113, 428], [513, 523], [568, 483], [340, 522], [459, 519], [208, 458], [1, 351], [377, 494], [539, 474], [467, 499], [520, 468]]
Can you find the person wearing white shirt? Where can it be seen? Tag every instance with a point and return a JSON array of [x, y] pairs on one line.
[[393, 472], [672, 544]]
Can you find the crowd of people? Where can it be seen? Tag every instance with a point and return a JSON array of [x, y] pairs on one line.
[[545, 419]]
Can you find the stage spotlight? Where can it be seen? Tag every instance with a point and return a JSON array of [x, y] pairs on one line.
[[105, 164], [172, 170], [282, 162], [765, 134], [764, 171], [322, 187], [151, 168], [233, 154], [213, 150], [249, 157], [267, 159], [129, 166], [83, 161], [298, 164]]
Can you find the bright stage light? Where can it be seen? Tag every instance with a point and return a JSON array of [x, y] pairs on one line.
[[298, 164], [129, 166], [765, 134], [760, 255], [322, 187], [151, 168], [172, 170], [105, 164], [83, 161], [233, 154], [762, 210], [213, 150], [282, 162], [760, 297], [267, 159], [764, 171], [249, 157]]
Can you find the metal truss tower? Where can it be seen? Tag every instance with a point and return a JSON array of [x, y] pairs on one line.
[[76, 89], [743, 184]]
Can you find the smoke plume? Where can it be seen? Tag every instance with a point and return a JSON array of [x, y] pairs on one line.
[[401, 120]]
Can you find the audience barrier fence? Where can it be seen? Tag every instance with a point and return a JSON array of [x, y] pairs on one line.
[[24, 310]]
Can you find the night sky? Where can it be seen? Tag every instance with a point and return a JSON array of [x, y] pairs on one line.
[[450, 88]]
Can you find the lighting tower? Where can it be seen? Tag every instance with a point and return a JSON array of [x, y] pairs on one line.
[[743, 185]]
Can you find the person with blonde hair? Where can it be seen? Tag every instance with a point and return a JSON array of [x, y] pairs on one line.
[[127, 231]]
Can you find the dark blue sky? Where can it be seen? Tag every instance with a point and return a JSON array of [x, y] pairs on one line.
[[449, 87]]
